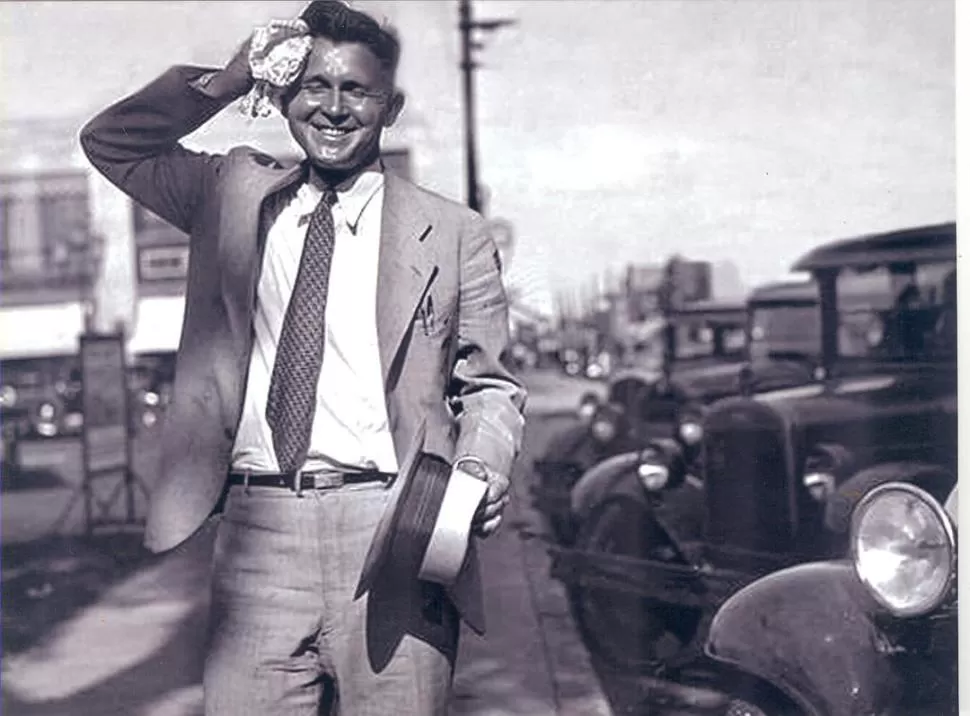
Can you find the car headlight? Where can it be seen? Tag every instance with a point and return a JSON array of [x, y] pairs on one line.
[[903, 548], [819, 484], [603, 429], [691, 431], [661, 465], [587, 406], [653, 476], [825, 466], [46, 411], [8, 396]]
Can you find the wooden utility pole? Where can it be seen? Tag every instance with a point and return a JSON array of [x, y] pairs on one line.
[[466, 26]]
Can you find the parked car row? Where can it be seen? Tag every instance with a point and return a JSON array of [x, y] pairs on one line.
[[41, 398], [770, 342], [783, 536]]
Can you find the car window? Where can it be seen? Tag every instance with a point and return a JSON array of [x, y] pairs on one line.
[[698, 339], [785, 329], [905, 311]]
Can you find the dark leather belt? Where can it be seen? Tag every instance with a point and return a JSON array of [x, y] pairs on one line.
[[299, 481]]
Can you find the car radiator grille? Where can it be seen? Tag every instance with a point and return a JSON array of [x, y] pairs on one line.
[[748, 489]]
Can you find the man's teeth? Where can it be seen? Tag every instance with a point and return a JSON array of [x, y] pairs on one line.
[[333, 132]]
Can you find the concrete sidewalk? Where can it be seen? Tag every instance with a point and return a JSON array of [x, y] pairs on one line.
[[531, 661], [137, 650]]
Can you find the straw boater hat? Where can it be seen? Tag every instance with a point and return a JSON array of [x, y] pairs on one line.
[[412, 520]]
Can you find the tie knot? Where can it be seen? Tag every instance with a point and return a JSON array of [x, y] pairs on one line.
[[328, 197]]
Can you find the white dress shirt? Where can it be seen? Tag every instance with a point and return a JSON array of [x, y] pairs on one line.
[[350, 426]]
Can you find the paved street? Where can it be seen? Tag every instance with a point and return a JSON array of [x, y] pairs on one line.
[[136, 649]]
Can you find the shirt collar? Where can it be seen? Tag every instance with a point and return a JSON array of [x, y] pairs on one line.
[[354, 194]]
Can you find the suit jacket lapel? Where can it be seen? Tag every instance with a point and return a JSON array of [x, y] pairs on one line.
[[405, 268]]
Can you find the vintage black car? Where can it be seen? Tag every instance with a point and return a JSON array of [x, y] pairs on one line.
[[773, 342], [657, 553], [151, 377], [42, 396], [872, 635]]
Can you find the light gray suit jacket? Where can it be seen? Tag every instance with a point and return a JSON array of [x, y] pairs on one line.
[[445, 388]]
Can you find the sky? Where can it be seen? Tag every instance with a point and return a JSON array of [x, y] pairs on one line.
[[610, 131]]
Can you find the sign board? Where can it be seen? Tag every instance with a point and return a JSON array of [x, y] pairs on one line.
[[163, 263], [692, 280], [105, 404]]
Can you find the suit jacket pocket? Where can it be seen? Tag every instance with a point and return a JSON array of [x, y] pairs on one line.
[[432, 319]]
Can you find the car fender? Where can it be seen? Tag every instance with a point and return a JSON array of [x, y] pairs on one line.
[[567, 441], [933, 478], [809, 632], [598, 481]]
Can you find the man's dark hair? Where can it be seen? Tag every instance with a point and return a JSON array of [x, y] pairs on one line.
[[339, 23]]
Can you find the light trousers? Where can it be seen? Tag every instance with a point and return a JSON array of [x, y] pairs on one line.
[[287, 638]]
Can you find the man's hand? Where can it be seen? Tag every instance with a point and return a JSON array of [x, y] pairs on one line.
[[489, 515]]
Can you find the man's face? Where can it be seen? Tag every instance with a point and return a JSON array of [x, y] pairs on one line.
[[342, 104]]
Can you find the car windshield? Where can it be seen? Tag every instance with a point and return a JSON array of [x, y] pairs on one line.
[[898, 312], [699, 339], [784, 330]]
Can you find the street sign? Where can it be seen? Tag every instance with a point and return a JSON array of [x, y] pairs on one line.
[[108, 480], [105, 402]]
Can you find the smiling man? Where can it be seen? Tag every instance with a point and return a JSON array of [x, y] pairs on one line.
[[339, 320]]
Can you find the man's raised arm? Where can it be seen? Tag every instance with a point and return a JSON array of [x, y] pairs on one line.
[[135, 142]]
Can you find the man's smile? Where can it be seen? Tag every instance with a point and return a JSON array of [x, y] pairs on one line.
[[329, 132]]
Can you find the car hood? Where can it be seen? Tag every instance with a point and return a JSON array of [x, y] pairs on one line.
[[712, 382], [707, 382], [867, 397]]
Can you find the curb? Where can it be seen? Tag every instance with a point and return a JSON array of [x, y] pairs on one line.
[[576, 686]]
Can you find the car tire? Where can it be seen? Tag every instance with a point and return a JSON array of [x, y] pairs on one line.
[[761, 700], [625, 630]]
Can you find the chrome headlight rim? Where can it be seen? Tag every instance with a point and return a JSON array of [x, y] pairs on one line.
[[938, 511]]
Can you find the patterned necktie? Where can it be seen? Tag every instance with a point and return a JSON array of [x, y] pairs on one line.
[[299, 354]]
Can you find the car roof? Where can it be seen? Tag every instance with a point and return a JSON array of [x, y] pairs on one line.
[[919, 244], [715, 311], [785, 292]]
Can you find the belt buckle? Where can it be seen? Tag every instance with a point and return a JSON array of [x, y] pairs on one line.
[[323, 480]]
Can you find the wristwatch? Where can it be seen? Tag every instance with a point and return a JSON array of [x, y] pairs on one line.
[[473, 466]]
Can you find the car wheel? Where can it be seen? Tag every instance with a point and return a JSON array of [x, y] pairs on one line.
[[761, 703], [748, 695], [626, 630]]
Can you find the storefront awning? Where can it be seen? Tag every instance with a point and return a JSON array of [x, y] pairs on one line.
[[158, 325], [34, 331]]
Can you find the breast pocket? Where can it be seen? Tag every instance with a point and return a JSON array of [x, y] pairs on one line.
[[435, 316]]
